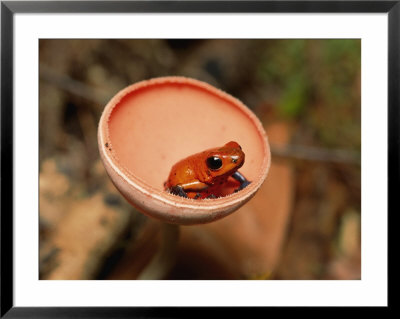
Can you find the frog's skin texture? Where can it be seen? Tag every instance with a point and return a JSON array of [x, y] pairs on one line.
[[202, 174]]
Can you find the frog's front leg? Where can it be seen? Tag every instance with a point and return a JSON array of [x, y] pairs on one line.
[[182, 189], [241, 179]]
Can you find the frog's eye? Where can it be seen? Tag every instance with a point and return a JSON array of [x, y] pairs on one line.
[[214, 163]]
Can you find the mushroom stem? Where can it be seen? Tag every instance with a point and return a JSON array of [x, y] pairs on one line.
[[164, 258]]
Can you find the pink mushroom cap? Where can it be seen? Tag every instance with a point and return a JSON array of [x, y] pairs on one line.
[[149, 126]]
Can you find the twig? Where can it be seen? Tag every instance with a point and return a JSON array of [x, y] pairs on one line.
[[317, 154], [73, 86]]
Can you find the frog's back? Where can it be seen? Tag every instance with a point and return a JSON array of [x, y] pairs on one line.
[[182, 172]]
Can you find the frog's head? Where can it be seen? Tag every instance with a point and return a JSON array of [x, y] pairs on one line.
[[225, 160]]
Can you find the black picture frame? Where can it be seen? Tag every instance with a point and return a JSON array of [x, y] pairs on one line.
[[9, 8]]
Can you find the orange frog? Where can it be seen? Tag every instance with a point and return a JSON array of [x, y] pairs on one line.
[[205, 174]]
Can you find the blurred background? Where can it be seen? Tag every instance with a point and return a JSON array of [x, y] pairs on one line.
[[304, 223]]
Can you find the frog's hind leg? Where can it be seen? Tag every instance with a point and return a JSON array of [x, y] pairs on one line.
[[241, 179], [178, 190]]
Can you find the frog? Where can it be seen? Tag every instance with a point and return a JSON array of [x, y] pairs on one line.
[[201, 175]]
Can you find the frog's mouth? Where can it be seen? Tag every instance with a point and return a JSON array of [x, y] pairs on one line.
[[234, 166]]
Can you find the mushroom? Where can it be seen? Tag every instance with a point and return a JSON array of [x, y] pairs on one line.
[[149, 126]]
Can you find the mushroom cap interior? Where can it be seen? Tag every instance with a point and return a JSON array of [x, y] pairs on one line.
[[154, 126]]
